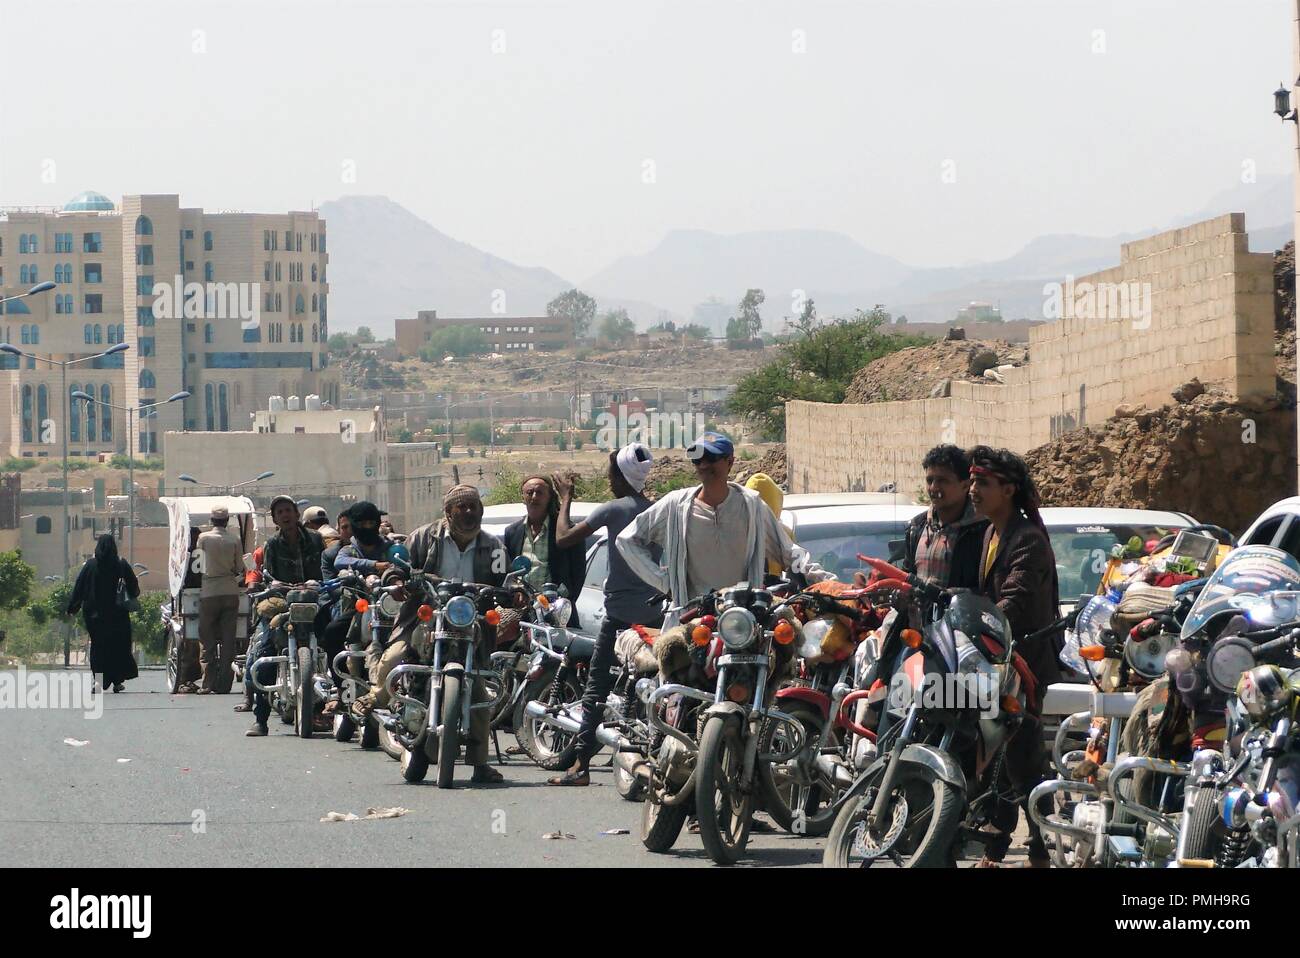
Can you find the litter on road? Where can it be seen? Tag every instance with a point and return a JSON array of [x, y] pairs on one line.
[[75, 742]]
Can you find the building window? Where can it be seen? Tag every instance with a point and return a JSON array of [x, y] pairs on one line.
[[63, 242], [207, 332], [144, 256], [144, 285], [92, 243], [147, 380], [58, 273], [106, 422], [288, 240], [143, 226], [313, 272], [43, 525], [313, 302], [223, 409], [23, 275], [28, 399], [99, 334], [208, 274], [266, 240], [207, 239], [313, 249], [210, 407], [22, 243], [89, 334], [112, 333], [146, 345], [279, 306], [266, 271], [313, 333], [253, 335], [277, 272], [94, 303], [74, 416], [93, 273], [144, 315], [299, 306], [90, 413]]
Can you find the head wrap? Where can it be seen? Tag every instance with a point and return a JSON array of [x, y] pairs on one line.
[[635, 470], [458, 494]]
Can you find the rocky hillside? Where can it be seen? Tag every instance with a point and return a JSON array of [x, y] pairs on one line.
[[924, 371], [1204, 454]]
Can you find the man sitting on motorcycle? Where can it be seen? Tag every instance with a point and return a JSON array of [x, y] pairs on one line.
[[292, 555], [454, 547]]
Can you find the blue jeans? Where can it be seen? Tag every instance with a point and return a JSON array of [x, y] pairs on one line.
[[260, 646]]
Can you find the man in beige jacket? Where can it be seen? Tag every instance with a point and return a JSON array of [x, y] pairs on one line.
[[219, 554]]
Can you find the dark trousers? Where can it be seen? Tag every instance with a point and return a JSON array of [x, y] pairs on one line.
[[600, 678], [261, 645], [1026, 765], [333, 635]]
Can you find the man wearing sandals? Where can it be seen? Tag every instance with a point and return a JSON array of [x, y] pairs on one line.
[[222, 567]]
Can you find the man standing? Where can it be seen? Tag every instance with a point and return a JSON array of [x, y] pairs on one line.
[[943, 544], [628, 599], [712, 536], [292, 555], [221, 565], [534, 536], [454, 547]]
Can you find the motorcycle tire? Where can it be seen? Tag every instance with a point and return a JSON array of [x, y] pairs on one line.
[[814, 816], [559, 752], [629, 785], [934, 850], [449, 746], [415, 763], [1201, 843], [304, 704], [283, 705], [370, 733], [391, 746], [344, 727], [173, 661], [724, 823], [660, 825]]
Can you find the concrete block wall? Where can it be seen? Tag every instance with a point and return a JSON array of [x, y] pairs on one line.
[[1211, 317]]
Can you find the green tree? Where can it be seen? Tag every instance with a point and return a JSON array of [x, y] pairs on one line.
[[575, 306], [479, 432], [146, 625], [749, 315], [339, 343], [615, 326], [816, 364], [404, 435], [696, 331], [364, 335], [454, 341], [16, 578]]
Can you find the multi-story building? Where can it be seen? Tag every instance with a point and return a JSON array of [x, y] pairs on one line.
[[229, 306], [504, 334]]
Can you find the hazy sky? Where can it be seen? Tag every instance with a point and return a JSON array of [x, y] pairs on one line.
[[535, 142]]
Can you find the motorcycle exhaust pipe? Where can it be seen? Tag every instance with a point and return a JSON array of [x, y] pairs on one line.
[[610, 737], [537, 710], [833, 770]]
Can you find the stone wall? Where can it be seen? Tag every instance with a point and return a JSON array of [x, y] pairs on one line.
[[1210, 317]]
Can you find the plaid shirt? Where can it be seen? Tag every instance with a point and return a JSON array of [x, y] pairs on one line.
[[935, 545]]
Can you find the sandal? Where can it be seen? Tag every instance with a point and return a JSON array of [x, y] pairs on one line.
[[243, 707], [571, 778]]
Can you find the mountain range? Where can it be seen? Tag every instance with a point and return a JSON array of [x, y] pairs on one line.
[[386, 262]]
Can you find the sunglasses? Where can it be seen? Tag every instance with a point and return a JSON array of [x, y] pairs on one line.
[[708, 458]]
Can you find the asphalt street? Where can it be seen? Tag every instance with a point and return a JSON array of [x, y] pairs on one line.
[[170, 780]]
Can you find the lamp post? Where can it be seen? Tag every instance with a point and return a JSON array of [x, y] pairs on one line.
[[143, 411], [63, 365], [186, 477]]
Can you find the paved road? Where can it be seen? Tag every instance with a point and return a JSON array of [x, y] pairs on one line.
[[262, 799]]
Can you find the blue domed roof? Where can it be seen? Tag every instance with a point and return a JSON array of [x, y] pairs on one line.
[[89, 200]]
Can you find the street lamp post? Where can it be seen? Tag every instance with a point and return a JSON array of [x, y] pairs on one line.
[[147, 409], [63, 394], [186, 477]]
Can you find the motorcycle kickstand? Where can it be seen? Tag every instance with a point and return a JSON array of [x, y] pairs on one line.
[[497, 746]]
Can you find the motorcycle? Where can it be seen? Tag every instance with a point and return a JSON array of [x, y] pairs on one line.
[[431, 711], [374, 603], [958, 695], [302, 677]]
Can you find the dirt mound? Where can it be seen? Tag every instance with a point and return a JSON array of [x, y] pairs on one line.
[[922, 371], [1216, 459], [675, 471], [771, 462]]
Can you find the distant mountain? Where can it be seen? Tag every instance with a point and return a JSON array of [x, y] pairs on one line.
[[690, 266], [386, 263]]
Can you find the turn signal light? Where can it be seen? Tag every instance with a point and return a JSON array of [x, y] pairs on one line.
[[783, 633], [701, 634], [424, 613], [543, 601], [912, 638], [492, 616], [737, 692], [1093, 653], [362, 605], [1011, 704]]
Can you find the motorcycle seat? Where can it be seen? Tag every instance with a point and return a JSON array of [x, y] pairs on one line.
[[580, 649]]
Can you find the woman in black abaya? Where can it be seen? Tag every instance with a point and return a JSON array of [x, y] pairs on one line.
[[96, 596]]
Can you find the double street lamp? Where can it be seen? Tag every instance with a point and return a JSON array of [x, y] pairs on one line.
[[186, 477], [142, 411]]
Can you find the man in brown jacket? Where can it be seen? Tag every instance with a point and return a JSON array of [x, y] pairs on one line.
[[219, 555], [1018, 572]]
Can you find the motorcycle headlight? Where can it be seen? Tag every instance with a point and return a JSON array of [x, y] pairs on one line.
[[389, 607], [460, 612], [737, 627], [1228, 658], [1147, 656], [1264, 691], [561, 612]]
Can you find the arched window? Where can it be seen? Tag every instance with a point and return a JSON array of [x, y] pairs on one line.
[[207, 332], [313, 302], [22, 242], [299, 305], [210, 407], [32, 245], [90, 413], [88, 333], [58, 272], [17, 306], [42, 405], [74, 416], [313, 333], [28, 401], [99, 334], [223, 407], [143, 226], [313, 272], [207, 239], [147, 380], [208, 273], [22, 274], [43, 525], [106, 423], [36, 335], [112, 333]]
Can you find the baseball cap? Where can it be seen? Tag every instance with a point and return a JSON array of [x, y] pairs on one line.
[[714, 442], [279, 499], [219, 512], [365, 512], [315, 514]]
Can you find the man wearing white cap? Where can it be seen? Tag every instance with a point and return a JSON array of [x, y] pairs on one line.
[[221, 564], [628, 599]]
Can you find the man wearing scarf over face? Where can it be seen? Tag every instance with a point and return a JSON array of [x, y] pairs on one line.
[[453, 547]]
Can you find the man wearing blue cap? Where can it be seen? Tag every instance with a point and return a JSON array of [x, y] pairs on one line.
[[711, 536]]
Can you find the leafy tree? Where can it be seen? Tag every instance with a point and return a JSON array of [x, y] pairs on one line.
[[575, 306], [696, 331], [454, 341], [479, 432], [749, 314], [339, 343], [146, 624], [364, 335], [667, 326], [404, 435], [615, 326], [817, 364], [446, 448], [16, 579]]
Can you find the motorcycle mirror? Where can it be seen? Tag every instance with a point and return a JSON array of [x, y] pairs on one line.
[[521, 564]]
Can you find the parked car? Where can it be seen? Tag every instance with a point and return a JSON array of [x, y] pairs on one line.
[[496, 518], [1277, 526]]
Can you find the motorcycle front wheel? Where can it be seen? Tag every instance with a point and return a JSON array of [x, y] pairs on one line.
[[415, 763], [283, 703], [723, 808], [795, 804], [304, 698], [449, 746], [551, 748], [920, 832], [661, 824]]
